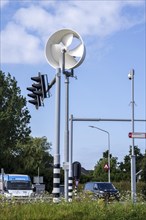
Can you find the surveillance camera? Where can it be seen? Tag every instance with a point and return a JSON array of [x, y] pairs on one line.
[[130, 76]]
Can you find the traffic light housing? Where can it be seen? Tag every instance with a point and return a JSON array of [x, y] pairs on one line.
[[38, 90], [76, 169], [40, 86], [36, 99]]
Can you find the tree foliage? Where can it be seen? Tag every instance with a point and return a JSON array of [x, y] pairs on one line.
[[19, 152], [100, 174], [14, 118], [31, 155], [34, 154], [120, 171]]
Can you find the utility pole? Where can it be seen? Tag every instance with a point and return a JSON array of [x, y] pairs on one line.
[[133, 159]]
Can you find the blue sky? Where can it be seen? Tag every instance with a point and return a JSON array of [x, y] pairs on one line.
[[114, 33]]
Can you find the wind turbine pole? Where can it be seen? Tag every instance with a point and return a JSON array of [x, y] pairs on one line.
[[70, 178], [56, 169], [66, 130]]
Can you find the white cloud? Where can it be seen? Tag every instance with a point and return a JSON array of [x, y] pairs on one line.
[[3, 3], [99, 18], [33, 24], [18, 46], [37, 19]]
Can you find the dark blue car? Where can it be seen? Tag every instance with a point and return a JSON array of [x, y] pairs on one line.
[[103, 190]]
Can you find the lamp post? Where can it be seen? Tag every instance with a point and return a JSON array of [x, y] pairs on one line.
[[133, 160], [109, 179]]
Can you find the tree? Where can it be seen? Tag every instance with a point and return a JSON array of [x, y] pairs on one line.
[[143, 167], [115, 169], [31, 155], [34, 154], [19, 152], [14, 119], [99, 173], [125, 167], [120, 171]]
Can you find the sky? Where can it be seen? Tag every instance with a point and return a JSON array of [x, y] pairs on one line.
[[114, 34]]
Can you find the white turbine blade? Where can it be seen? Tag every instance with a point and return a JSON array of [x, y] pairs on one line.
[[67, 40], [77, 52], [69, 61], [56, 52]]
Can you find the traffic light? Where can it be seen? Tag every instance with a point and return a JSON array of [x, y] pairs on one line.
[[39, 90], [76, 169], [36, 99]]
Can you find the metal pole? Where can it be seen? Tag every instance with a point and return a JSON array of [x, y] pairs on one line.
[[66, 136], [108, 119], [70, 179], [38, 175], [109, 179], [56, 170], [109, 165], [133, 159], [66, 130], [2, 179]]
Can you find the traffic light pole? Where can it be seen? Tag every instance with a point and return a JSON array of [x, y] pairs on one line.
[[70, 178], [56, 170], [133, 161]]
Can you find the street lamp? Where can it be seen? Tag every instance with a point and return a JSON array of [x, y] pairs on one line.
[[108, 149]]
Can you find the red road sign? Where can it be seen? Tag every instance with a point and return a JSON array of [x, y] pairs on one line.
[[137, 135], [106, 167]]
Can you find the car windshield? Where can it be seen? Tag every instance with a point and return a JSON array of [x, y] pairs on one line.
[[105, 186], [89, 186], [19, 185]]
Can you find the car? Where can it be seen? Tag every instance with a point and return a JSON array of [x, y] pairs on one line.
[[105, 190]]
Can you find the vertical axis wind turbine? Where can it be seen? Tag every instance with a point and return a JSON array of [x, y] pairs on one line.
[[65, 50]]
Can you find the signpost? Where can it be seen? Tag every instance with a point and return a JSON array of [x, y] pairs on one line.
[[137, 135]]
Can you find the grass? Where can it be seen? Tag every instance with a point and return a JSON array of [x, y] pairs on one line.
[[79, 209]]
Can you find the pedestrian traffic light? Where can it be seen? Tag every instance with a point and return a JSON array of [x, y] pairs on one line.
[[39, 90]]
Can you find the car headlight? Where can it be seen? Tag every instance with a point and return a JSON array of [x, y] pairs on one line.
[[101, 192]]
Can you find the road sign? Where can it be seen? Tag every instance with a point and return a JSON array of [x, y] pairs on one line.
[[106, 167], [137, 135]]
